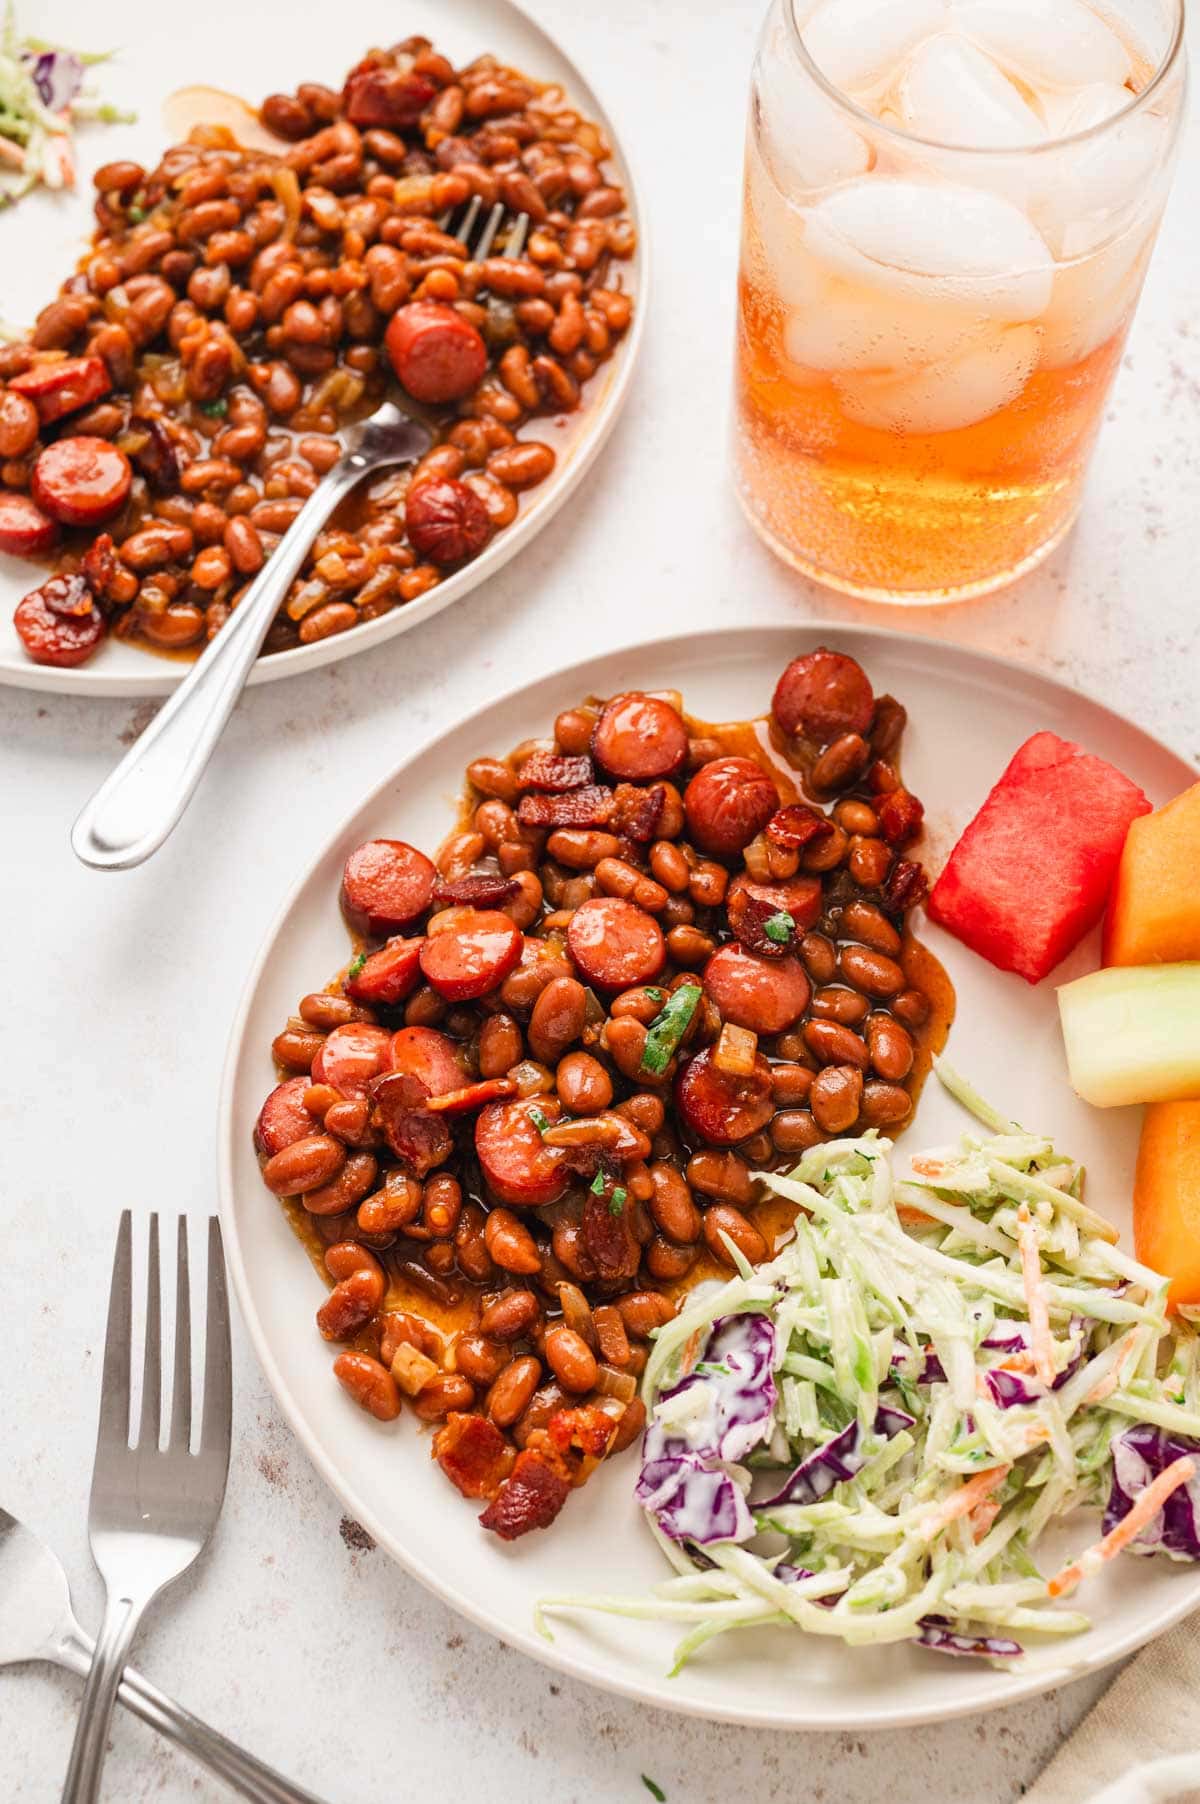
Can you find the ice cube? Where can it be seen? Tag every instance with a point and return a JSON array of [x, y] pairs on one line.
[[1046, 43], [958, 248], [840, 329], [946, 396], [859, 44], [952, 93], [1093, 297], [810, 141], [1067, 114], [1093, 190]]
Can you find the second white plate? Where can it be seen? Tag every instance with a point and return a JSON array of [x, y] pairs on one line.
[[43, 237]]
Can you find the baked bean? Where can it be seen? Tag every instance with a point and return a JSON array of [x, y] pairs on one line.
[[835, 1097], [643, 1003], [864, 922], [347, 1119], [872, 972], [510, 1244], [790, 1084], [491, 777], [707, 884], [18, 424], [511, 1316], [442, 1205], [625, 1042], [583, 1084], [794, 1130], [642, 1311], [523, 465], [295, 1050], [470, 1245], [689, 947], [211, 567], [868, 862], [890, 1046], [671, 1205], [630, 1425], [724, 1220], [370, 1384], [346, 1189], [511, 1392], [646, 1111], [328, 1009], [570, 1359], [669, 866], [883, 1103], [666, 1261], [557, 1020], [846, 1006], [911, 1007], [497, 822], [820, 957], [720, 1175], [833, 1044], [525, 907], [448, 1392], [857, 817], [573, 731], [582, 849], [173, 627], [304, 1165], [825, 853], [480, 1359], [395, 1206], [500, 1045]]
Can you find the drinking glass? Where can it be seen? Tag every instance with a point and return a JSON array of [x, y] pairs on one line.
[[949, 210]]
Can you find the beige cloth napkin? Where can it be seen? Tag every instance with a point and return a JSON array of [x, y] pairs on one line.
[[1141, 1743]]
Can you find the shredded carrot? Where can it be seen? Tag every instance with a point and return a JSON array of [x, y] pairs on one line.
[[1108, 1384], [982, 1517], [912, 1217], [963, 1501], [11, 153], [1146, 1506], [1035, 1296], [690, 1349], [928, 1168]]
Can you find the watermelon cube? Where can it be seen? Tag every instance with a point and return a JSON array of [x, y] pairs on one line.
[[1032, 872]]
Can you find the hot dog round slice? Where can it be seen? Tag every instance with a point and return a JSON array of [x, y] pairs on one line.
[[283, 1118], [82, 481], [823, 695], [474, 957], [727, 802], [436, 354], [352, 1056], [446, 521], [59, 623], [766, 995], [615, 944], [388, 976], [719, 1107], [639, 737], [60, 388], [517, 1166], [434, 1058], [25, 529], [386, 885]]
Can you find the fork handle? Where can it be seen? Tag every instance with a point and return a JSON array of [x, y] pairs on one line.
[[121, 1617], [143, 799]]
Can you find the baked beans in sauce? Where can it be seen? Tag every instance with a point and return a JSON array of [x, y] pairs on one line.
[[177, 403], [655, 956]]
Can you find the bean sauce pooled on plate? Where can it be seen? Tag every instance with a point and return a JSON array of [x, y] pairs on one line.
[[179, 401], [655, 956]]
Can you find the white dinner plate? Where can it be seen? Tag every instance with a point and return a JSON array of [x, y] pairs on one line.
[[967, 715], [41, 240]]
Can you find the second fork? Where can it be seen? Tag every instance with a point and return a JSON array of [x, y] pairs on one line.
[[152, 1508]]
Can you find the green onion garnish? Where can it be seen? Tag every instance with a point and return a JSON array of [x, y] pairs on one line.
[[136, 215], [597, 1184], [539, 1120], [668, 1028], [656, 1791], [356, 965], [616, 1201], [216, 410], [780, 927]]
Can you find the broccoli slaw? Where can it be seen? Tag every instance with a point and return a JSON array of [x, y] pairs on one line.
[[43, 94], [896, 1407]]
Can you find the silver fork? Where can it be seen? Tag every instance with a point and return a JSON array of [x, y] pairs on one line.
[[151, 1510], [136, 807]]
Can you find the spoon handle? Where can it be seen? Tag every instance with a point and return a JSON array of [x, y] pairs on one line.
[[137, 806]]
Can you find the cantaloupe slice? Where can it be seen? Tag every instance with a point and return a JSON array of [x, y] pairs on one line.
[[1166, 1197], [1133, 1034], [1154, 912]]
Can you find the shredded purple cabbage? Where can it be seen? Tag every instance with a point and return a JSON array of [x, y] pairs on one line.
[[1007, 1389], [938, 1633], [694, 1502], [838, 1460], [57, 76], [1139, 1454]]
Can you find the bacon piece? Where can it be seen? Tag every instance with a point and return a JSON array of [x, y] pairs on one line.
[[530, 1497], [751, 905], [609, 1238], [906, 885], [99, 564], [797, 825], [590, 807], [900, 816], [400, 1113], [157, 459], [637, 812], [472, 1096], [587, 1427], [473, 1454], [479, 889], [555, 773]]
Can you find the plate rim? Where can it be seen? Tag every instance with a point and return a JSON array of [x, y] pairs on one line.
[[1050, 1670], [164, 674]]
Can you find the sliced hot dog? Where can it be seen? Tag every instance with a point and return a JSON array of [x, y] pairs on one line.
[[61, 387], [283, 1118], [82, 481], [389, 975], [386, 885], [25, 529], [437, 355], [640, 737], [719, 1107], [615, 944], [823, 695], [473, 957], [766, 995], [446, 521], [434, 1058], [518, 1167], [351, 1056], [727, 802], [59, 623]]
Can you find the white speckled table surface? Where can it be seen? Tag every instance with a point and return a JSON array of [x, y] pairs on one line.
[[292, 1634]]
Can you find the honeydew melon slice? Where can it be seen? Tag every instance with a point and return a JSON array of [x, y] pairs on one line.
[[1132, 1034]]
